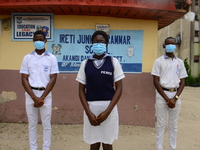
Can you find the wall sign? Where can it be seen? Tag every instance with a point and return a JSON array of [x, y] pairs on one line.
[[103, 27], [24, 26], [71, 47]]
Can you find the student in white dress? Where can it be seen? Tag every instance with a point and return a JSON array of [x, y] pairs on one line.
[[97, 77]]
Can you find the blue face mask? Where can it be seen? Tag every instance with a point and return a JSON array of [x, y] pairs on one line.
[[39, 45], [99, 48], [170, 48]]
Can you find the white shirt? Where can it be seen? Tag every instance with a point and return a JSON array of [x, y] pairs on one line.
[[169, 70], [118, 72], [39, 68]]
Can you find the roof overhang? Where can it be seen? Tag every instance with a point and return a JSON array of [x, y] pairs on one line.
[[163, 11]]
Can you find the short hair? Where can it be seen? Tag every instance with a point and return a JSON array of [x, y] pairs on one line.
[[39, 32], [169, 38], [104, 34]]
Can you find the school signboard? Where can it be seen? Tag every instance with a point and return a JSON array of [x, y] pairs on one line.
[[24, 26], [71, 47]]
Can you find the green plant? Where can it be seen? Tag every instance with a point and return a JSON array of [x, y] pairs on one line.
[[198, 81], [190, 79], [187, 66]]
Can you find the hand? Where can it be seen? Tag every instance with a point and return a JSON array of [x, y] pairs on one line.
[[102, 116], [38, 102], [171, 103], [93, 120], [41, 103], [167, 101]]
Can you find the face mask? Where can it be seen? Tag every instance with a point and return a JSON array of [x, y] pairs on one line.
[[99, 48], [170, 48], [39, 45]]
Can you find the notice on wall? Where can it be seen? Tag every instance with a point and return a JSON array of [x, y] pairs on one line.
[[71, 47], [103, 27], [24, 26]]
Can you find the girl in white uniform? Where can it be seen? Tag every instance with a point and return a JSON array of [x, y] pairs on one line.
[[97, 77]]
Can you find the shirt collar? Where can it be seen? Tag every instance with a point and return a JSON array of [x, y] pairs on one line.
[[166, 57], [92, 57], [45, 53]]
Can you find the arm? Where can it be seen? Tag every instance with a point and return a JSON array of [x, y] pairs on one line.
[[179, 91], [50, 86], [81, 78], [182, 75], [114, 101], [91, 116], [158, 87], [27, 87], [181, 87], [53, 76], [161, 92]]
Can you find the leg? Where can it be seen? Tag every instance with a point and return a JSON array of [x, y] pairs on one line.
[[161, 113], [107, 147], [173, 120], [32, 113], [95, 146], [45, 112]]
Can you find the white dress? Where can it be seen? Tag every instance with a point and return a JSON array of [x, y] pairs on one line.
[[107, 132]]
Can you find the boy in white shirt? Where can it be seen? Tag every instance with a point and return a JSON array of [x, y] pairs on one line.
[[168, 78]]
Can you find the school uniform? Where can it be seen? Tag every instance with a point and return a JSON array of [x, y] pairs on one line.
[[170, 71], [99, 77], [39, 68]]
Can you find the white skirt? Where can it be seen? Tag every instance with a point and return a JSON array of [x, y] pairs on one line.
[[108, 130]]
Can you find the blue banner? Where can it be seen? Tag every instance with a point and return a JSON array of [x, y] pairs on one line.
[[71, 47]]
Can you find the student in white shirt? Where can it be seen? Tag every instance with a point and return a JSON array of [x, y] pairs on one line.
[[168, 78], [39, 72]]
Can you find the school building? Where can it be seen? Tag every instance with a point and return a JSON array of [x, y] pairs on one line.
[[132, 26], [186, 30]]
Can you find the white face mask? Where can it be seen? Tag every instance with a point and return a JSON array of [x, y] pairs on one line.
[[39, 45], [99, 48], [170, 48]]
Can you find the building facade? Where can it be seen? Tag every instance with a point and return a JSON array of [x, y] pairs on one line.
[[132, 26], [187, 31]]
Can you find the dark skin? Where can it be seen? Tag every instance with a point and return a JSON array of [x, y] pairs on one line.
[[97, 120], [38, 101], [170, 102]]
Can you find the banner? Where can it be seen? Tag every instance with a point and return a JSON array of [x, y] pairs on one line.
[[71, 47], [24, 26]]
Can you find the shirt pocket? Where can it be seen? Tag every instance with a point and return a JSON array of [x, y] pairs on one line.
[[46, 68]]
